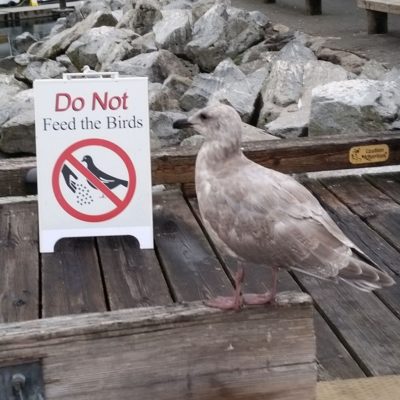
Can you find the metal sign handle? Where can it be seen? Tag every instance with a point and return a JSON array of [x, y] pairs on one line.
[[89, 73]]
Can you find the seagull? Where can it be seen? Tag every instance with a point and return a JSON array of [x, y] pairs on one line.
[[110, 181], [266, 217]]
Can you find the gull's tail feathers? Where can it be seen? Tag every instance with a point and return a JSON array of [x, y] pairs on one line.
[[364, 277]]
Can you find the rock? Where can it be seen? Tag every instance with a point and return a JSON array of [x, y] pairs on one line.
[[142, 18], [67, 63], [17, 124], [8, 65], [57, 44], [145, 43], [193, 142], [92, 6], [9, 87], [177, 85], [224, 32], [23, 41], [157, 66], [242, 94], [179, 5], [293, 120], [174, 30], [161, 125], [102, 45], [373, 70], [354, 107], [161, 99], [200, 7], [350, 61], [59, 26], [392, 75], [295, 51], [257, 52], [205, 85], [44, 69]]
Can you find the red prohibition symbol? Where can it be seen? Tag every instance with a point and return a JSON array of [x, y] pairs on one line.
[[119, 203]]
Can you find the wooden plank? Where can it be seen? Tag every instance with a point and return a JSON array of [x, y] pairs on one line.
[[366, 239], [19, 261], [185, 351], [192, 269], [385, 6], [372, 205], [176, 165], [333, 360], [71, 280], [133, 277], [373, 388], [387, 183]]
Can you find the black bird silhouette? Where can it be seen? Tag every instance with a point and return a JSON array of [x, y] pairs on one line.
[[110, 181]]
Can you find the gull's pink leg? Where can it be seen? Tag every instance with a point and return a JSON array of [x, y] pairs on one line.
[[230, 303], [263, 298]]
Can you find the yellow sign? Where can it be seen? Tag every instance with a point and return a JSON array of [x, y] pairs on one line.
[[33, 3], [375, 153]]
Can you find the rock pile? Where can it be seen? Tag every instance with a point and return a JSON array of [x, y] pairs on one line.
[[199, 51]]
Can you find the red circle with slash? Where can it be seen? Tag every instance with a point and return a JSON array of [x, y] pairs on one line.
[[120, 204]]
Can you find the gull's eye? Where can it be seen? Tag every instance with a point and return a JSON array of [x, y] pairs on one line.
[[203, 116]]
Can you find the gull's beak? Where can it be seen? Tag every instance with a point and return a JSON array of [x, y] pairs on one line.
[[181, 124]]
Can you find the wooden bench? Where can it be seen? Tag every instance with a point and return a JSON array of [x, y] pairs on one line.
[[377, 13], [313, 7], [102, 319]]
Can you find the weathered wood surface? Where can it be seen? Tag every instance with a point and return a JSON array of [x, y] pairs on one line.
[[176, 165], [190, 265], [387, 6], [132, 277], [333, 360], [181, 352], [374, 388], [19, 262]]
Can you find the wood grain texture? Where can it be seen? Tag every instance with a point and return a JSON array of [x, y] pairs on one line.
[[19, 261], [179, 352], [371, 204], [132, 276], [370, 242], [71, 279], [333, 360], [374, 388], [386, 6], [176, 165], [191, 267]]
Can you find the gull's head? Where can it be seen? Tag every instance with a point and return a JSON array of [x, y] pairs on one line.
[[217, 122]]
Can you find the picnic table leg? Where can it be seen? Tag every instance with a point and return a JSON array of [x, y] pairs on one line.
[[313, 7], [377, 21], [269, 1]]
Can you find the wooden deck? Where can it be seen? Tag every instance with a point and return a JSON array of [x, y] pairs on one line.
[[358, 334]]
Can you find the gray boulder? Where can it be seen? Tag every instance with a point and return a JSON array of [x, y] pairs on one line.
[[58, 44], [65, 61], [17, 124], [174, 30], [157, 66], [142, 18], [23, 41], [200, 7], [224, 32], [350, 61], [354, 107], [59, 26], [102, 45], [161, 126], [161, 98], [177, 85], [39, 69], [373, 69], [293, 120], [242, 94], [205, 85]]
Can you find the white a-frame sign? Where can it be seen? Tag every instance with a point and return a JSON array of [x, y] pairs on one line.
[[93, 158]]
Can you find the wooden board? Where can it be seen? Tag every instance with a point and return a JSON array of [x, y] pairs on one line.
[[71, 280], [374, 388], [387, 6], [176, 165], [166, 353], [19, 260], [132, 277], [333, 360], [191, 267]]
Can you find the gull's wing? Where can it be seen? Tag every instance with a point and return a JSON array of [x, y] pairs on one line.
[[268, 217]]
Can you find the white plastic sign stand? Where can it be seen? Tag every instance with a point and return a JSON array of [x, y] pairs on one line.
[[93, 158]]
